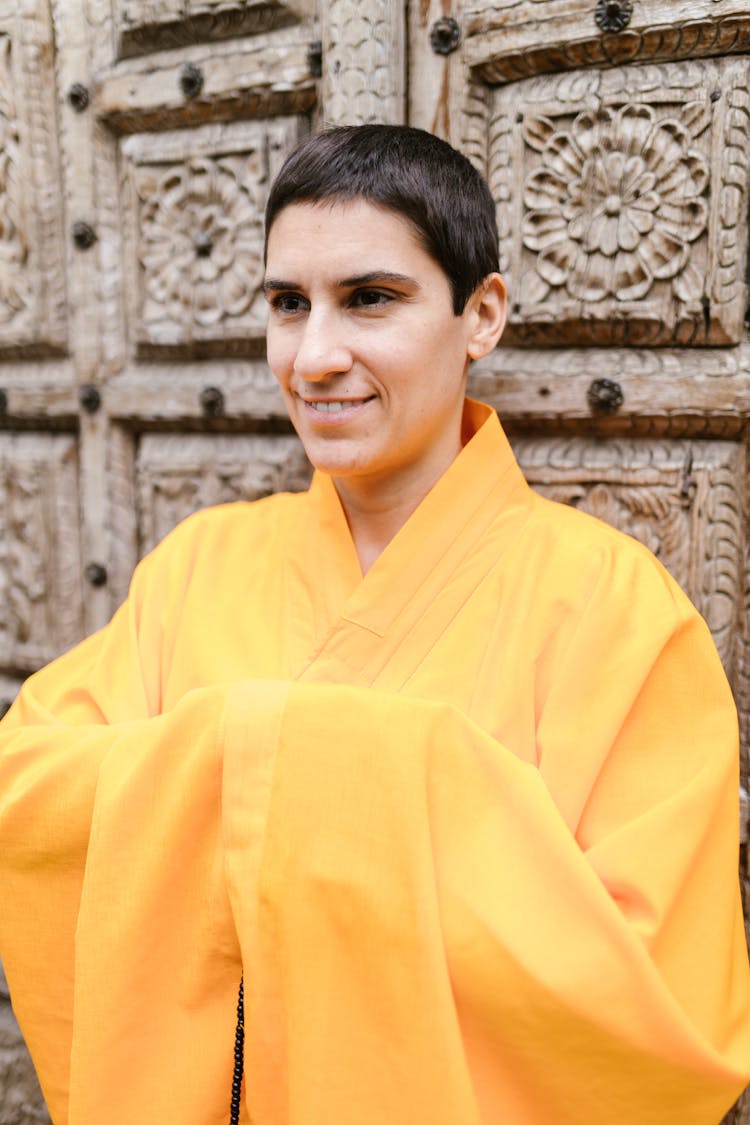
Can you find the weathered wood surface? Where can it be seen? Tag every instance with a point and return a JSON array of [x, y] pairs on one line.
[[255, 78], [142, 25], [509, 39], [193, 226], [32, 283]]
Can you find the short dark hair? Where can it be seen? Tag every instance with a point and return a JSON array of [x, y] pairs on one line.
[[410, 172]]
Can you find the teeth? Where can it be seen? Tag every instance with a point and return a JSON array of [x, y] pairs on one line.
[[333, 407]]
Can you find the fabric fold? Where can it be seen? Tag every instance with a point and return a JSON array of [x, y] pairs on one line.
[[468, 827]]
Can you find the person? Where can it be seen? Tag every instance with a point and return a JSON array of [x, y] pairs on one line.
[[445, 773]]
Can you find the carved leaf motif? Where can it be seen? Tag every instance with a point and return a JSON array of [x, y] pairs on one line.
[[696, 117], [688, 285], [537, 132]]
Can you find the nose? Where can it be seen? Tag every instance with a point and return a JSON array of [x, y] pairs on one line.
[[322, 350]]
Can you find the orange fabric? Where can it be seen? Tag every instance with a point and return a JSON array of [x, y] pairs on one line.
[[468, 825]]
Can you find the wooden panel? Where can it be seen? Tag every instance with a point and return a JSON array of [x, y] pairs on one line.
[[32, 291], [698, 391], [143, 24], [623, 204], [177, 475], [194, 214], [507, 39], [40, 561], [270, 74]]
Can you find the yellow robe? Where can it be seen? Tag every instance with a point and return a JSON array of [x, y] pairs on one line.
[[467, 825]]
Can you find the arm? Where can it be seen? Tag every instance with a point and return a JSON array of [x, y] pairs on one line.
[[431, 928], [98, 704], [486, 941]]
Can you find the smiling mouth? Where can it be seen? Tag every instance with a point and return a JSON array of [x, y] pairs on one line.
[[335, 406]]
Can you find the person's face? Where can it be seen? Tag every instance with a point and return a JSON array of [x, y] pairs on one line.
[[365, 345]]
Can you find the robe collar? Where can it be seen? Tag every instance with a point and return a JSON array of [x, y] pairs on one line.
[[482, 481]]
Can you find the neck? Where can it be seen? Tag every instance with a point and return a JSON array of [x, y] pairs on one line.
[[376, 513]]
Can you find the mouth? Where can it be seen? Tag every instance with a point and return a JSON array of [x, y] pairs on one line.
[[335, 407]]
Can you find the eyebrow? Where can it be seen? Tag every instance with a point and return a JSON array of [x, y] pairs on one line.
[[372, 277]]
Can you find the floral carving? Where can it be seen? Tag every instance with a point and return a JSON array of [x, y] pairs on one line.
[[200, 241], [14, 296], [616, 204]]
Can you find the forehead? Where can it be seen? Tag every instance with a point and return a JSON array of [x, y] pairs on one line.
[[326, 233]]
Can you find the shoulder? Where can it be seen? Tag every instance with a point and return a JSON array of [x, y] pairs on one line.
[[592, 563], [215, 534], [237, 518]]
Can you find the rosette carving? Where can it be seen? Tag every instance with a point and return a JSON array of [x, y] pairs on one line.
[[616, 204], [194, 219], [201, 241], [622, 216]]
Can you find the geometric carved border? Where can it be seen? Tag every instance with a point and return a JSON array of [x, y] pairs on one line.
[[194, 203], [364, 62], [32, 281], [40, 556], [622, 198], [180, 474]]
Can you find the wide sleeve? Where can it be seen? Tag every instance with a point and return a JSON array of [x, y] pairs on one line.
[[97, 704], [439, 931]]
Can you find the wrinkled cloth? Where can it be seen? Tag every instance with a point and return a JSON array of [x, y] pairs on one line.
[[467, 825]]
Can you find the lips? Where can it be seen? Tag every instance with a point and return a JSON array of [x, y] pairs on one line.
[[334, 406]]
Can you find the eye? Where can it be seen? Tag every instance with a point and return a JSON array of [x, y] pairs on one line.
[[370, 298], [289, 303]]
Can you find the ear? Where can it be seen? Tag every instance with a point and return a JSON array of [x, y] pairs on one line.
[[488, 310]]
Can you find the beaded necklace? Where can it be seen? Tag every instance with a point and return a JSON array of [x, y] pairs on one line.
[[239, 1052]]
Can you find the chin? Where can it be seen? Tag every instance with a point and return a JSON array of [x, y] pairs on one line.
[[337, 463]]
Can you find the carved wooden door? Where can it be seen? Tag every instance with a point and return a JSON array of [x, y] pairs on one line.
[[137, 142]]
